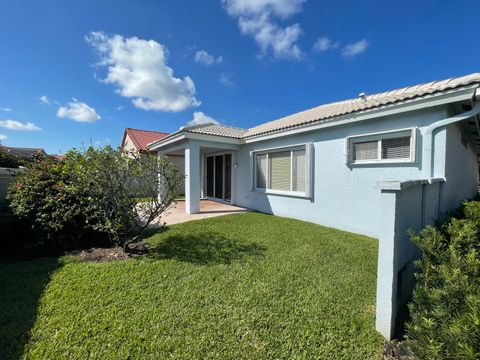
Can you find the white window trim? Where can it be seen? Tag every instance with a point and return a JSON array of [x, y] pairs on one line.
[[290, 148], [379, 137]]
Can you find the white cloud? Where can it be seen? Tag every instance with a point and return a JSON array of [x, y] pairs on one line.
[[324, 44], [203, 57], [6, 109], [280, 8], [139, 70], [200, 118], [257, 18], [226, 79], [119, 108], [78, 111], [17, 125], [356, 48], [103, 142], [3, 137], [44, 99]]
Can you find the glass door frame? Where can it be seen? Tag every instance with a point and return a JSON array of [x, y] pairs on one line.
[[213, 155]]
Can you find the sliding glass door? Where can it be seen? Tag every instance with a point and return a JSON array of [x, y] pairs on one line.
[[219, 177]]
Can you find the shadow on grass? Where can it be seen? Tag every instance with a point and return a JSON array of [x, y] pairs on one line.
[[204, 248], [21, 286]]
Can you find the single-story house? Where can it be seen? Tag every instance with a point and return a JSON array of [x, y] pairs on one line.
[[24, 153], [377, 165], [137, 140]]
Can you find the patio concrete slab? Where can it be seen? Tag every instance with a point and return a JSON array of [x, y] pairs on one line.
[[176, 213]]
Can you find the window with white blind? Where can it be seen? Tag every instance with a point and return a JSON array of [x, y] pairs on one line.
[[282, 170], [398, 146]]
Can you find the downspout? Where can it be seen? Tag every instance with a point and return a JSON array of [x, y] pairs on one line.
[[429, 134]]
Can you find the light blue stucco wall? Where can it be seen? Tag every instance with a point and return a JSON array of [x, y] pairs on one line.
[[403, 211], [343, 197], [461, 170]]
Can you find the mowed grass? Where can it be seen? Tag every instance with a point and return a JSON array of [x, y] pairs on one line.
[[246, 286]]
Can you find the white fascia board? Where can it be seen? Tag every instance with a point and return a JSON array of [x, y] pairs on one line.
[[213, 138], [164, 142], [397, 108], [194, 136]]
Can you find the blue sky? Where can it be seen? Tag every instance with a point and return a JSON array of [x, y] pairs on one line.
[[101, 66]]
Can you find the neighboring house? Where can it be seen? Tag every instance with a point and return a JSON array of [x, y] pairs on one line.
[[377, 165], [138, 140], [24, 153], [59, 157], [7, 175]]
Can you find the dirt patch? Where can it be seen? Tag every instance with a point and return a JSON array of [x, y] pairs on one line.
[[111, 254], [103, 254], [398, 350]]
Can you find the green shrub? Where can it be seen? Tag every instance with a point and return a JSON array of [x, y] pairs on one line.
[[445, 310], [93, 194], [49, 197]]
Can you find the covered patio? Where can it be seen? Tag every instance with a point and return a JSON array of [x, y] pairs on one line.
[[210, 159]]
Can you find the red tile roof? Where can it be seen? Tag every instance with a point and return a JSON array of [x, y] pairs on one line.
[[141, 138], [59, 157]]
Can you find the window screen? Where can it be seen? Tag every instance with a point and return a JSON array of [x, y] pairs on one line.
[[299, 170], [383, 147], [280, 170], [366, 150], [284, 170], [396, 148], [261, 162]]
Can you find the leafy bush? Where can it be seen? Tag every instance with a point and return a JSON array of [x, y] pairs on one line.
[[92, 193], [445, 310], [49, 196]]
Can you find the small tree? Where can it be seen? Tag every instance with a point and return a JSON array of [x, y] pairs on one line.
[[118, 179]]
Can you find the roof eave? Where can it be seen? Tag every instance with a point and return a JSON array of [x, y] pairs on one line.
[[465, 93], [182, 135]]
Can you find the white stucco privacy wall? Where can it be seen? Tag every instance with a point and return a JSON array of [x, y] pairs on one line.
[[406, 206], [7, 176], [343, 196]]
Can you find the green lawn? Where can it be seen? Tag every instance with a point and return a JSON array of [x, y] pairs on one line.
[[246, 286]]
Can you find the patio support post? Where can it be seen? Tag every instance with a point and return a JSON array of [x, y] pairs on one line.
[[192, 177]]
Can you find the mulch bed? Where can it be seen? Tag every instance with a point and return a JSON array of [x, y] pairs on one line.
[[103, 254], [112, 254], [397, 350]]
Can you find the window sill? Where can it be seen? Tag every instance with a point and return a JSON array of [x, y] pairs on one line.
[[295, 194], [381, 162]]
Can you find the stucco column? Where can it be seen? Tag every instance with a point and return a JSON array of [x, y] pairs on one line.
[[192, 178], [386, 271], [404, 206]]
